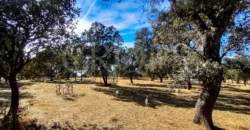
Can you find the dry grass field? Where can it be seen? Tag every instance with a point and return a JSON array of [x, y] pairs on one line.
[[96, 107]]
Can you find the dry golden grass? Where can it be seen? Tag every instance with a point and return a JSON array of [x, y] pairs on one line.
[[97, 107]]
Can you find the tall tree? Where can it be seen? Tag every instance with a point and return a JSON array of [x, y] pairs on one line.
[[67, 52], [104, 43], [27, 26], [128, 64], [210, 20], [81, 51], [144, 47]]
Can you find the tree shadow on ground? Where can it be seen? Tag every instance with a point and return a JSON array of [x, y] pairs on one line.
[[5, 93], [233, 103], [19, 84], [228, 88], [150, 85], [232, 84], [22, 84], [5, 96], [34, 124], [165, 97], [155, 97]]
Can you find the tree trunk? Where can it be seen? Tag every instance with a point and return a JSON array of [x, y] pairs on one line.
[[105, 80], [189, 85], [212, 84], [161, 75], [207, 99], [131, 79], [161, 79], [67, 76], [10, 121], [81, 75], [104, 76], [75, 76], [205, 104], [245, 82], [238, 80]]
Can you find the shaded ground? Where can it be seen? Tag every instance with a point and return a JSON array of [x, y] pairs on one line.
[[97, 107]]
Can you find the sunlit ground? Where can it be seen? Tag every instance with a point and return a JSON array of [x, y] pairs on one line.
[[96, 107]]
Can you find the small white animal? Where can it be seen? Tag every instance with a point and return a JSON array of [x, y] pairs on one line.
[[117, 92], [146, 101]]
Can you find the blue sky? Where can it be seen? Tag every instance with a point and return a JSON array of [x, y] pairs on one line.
[[127, 17]]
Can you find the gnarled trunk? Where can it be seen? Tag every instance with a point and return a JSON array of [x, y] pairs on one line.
[[212, 84], [205, 104]]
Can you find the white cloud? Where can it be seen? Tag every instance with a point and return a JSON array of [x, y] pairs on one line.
[[124, 15], [82, 24], [128, 44]]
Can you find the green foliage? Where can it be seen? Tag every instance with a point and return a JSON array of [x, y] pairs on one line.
[[162, 63], [191, 22], [104, 45], [48, 63], [238, 68], [28, 26], [144, 46], [128, 65]]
